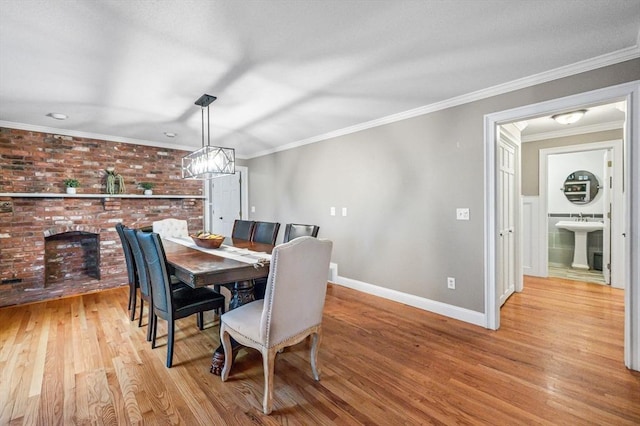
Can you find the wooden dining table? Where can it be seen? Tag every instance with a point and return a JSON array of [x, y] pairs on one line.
[[199, 269]]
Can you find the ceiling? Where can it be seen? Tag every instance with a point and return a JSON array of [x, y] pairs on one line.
[[285, 72]]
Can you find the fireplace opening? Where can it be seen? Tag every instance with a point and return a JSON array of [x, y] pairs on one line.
[[71, 255]]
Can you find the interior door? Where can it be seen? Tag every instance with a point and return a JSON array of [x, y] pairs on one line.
[[225, 209], [506, 273]]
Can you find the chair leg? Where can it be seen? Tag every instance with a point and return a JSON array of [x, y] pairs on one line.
[[132, 301], [171, 329], [149, 321], [200, 320], [141, 308], [228, 353], [153, 325], [268, 362], [315, 344]]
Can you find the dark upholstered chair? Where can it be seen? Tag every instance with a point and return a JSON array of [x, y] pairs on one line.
[[295, 230], [172, 304], [265, 232], [132, 274], [143, 278], [242, 229]]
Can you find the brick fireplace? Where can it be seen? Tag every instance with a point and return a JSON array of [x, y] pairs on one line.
[[46, 235]]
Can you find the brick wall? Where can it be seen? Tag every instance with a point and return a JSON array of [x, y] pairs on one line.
[[32, 162]]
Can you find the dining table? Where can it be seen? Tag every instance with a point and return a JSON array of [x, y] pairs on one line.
[[234, 265]]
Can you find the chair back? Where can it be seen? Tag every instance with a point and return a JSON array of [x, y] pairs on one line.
[[131, 267], [265, 232], [171, 228], [296, 288], [138, 258], [295, 230], [242, 229], [156, 262]]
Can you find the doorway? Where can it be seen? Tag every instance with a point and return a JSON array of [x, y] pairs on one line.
[[226, 200], [629, 94]]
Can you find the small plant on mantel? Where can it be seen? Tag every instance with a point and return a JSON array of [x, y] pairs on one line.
[[148, 187], [71, 185]]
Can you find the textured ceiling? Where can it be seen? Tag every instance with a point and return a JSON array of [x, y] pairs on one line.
[[284, 71]]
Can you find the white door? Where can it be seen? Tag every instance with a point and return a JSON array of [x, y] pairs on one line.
[[225, 200], [506, 274]]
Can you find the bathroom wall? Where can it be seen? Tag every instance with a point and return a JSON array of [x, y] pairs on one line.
[[561, 241]]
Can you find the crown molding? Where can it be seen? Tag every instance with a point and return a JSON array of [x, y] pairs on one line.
[[573, 131], [557, 73]]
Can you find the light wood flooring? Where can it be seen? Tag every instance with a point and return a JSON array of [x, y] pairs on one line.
[[558, 359]]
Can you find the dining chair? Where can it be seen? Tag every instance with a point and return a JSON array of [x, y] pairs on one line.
[[295, 230], [132, 274], [242, 229], [173, 304], [265, 232], [171, 228], [142, 276], [291, 310]]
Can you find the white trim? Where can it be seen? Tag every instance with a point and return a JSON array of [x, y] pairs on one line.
[[450, 311], [572, 131], [630, 94], [543, 77]]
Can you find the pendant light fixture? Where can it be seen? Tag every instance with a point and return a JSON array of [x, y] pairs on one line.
[[209, 161]]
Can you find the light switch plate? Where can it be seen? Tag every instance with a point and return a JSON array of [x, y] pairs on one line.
[[462, 214], [332, 211], [344, 211]]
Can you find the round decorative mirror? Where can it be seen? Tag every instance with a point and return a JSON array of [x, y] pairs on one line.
[[581, 187]]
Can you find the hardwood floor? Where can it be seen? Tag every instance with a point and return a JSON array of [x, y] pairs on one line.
[[558, 359]]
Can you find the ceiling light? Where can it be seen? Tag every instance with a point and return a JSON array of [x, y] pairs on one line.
[[57, 116], [209, 161], [569, 117], [170, 134]]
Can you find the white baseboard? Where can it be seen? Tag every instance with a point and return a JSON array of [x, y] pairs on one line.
[[450, 311]]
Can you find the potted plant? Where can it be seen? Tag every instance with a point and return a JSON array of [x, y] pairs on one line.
[[71, 185], [148, 187]]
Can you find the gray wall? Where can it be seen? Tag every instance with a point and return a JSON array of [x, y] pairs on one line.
[[401, 183], [530, 155]]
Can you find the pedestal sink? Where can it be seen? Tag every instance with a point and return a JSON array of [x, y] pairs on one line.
[[580, 229]]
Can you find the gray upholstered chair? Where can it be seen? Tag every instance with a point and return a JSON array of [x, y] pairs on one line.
[[171, 228], [291, 310], [295, 230], [171, 303]]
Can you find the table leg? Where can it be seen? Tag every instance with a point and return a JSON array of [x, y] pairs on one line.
[[241, 294]]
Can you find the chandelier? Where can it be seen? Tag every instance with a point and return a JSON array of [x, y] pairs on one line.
[[209, 161]]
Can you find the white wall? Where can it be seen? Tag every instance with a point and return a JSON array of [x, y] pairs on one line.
[[562, 165]]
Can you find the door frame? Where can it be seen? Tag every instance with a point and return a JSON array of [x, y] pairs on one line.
[[630, 94], [616, 220]]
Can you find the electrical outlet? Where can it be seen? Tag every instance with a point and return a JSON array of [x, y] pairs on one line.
[[462, 214], [451, 283]]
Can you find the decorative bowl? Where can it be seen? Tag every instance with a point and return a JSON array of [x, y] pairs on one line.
[[208, 242]]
